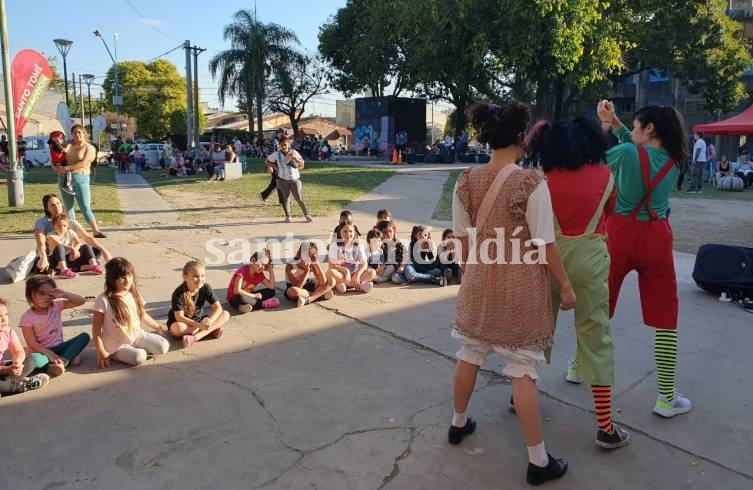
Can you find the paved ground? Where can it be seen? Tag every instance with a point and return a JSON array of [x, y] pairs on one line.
[[355, 392]]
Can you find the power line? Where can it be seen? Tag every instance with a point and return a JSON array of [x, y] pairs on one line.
[[150, 22], [165, 53]]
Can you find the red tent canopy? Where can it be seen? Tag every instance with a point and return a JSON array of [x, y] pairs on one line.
[[733, 126]]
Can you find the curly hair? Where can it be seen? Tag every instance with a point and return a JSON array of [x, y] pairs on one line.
[[500, 125], [567, 144]]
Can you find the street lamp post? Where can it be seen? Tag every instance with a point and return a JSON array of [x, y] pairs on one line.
[[117, 100], [88, 80], [64, 46]]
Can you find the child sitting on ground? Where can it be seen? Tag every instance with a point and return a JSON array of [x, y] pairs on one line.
[[423, 264], [117, 318], [301, 287], [42, 326], [377, 258], [393, 250], [186, 319], [385, 215], [348, 262], [64, 244], [345, 217], [244, 292], [58, 148], [448, 257], [14, 373]]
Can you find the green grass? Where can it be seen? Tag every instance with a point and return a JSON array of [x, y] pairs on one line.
[[41, 181], [710, 192], [443, 211], [327, 189]]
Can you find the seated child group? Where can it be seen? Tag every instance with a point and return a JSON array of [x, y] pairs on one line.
[[353, 261]]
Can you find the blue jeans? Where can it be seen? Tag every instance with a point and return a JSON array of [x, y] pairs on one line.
[[67, 350], [83, 196], [411, 275]]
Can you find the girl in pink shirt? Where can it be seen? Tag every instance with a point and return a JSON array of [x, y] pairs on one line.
[[42, 326], [14, 372]]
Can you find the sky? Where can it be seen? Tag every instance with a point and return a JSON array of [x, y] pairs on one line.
[[149, 28]]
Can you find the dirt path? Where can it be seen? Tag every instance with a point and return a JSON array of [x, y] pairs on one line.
[[696, 222]]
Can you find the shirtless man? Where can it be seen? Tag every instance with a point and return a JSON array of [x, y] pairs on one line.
[[78, 158]]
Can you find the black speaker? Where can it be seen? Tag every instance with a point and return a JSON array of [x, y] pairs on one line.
[[724, 268]]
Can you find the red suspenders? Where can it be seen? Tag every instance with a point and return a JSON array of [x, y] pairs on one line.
[[649, 184]]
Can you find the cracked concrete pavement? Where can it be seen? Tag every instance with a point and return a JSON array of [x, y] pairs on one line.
[[355, 392]]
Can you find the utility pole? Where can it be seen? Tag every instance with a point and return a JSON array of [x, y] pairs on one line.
[[197, 110], [189, 96], [73, 109], [81, 99], [15, 175]]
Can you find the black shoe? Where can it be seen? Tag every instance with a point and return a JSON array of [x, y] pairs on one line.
[[618, 438], [440, 281], [456, 434], [536, 475]]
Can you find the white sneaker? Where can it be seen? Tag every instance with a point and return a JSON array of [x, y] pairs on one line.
[[328, 295], [366, 286], [341, 288], [302, 301], [677, 406], [244, 308], [572, 373]]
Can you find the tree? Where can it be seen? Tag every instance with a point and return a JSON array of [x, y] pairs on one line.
[[150, 91], [178, 120], [255, 48], [556, 52], [365, 42], [128, 124], [696, 42], [293, 86], [448, 61]]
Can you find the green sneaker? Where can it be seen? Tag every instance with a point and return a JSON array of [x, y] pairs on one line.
[[572, 373], [677, 406]]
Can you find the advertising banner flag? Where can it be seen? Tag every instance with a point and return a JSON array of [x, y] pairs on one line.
[[64, 118], [98, 125], [31, 76]]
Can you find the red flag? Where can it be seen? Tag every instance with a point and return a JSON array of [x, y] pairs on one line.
[[31, 75]]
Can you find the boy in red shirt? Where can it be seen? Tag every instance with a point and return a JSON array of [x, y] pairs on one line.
[[58, 148]]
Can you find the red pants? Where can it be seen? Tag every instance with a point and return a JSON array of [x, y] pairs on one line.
[[646, 247]]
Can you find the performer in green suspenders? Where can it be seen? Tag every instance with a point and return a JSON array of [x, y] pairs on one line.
[[571, 154]]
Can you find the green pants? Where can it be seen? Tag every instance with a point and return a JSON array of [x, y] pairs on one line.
[[67, 350], [586, 261]]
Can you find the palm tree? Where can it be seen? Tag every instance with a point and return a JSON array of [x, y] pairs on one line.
[[255, 48]]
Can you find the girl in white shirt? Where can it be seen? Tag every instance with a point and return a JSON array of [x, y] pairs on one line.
[[117, 318], [348, 262]]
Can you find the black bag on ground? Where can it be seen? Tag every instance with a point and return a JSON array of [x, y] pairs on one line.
[[724, 268]]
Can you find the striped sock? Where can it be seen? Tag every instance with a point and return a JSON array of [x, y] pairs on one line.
[[665, 353], [603, 403]]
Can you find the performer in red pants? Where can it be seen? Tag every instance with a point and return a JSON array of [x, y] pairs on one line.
[[645, 166]]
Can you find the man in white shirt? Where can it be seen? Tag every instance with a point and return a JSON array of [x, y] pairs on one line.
[[288, 163], [699, 164]]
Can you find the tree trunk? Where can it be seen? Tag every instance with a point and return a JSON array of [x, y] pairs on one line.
[[294, 123], [519, 88], [461, 120], [259, 122], [641, 98], [250, 111], [559, 89]]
